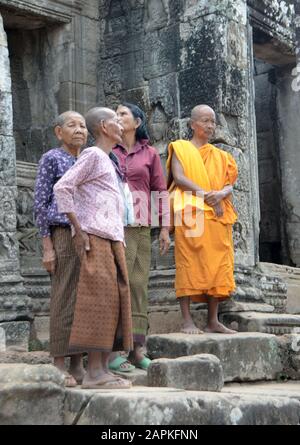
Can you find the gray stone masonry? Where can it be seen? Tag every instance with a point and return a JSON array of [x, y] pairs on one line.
[[31, 395], [243, 356], [201, 372], [165, 406]]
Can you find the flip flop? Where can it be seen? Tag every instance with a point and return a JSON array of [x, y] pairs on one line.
[[115, 365], [144, 363], [110, 384]]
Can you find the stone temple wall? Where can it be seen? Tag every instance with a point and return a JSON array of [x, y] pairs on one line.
[[187, 53], [167, 56], [13, 299]]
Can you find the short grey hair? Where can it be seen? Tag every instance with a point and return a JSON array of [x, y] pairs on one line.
[[61, 119], [196, 111], [94, 116]]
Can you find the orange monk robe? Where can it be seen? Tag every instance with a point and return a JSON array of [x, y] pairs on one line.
[[204, 263]]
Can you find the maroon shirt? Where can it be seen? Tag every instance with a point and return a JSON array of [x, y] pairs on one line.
[[143, 172]]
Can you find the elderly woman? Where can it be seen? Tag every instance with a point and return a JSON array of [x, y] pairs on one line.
[[142, 171], [59, 256]]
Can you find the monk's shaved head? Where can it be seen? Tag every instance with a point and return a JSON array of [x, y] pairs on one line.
[[198, 111], [95, 116], [62, 118]]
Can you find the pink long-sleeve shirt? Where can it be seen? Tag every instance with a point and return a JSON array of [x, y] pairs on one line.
[[90, 189], [143, 172]]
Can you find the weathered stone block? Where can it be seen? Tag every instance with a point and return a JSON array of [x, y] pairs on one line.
[[165, 406], [262, 322], [244, 356], [161, 52], [7, 161], [31, 395], [6, 121], [17, 334], [2, 340], [3, 38], [5, 79], [7, 209], [290, 345], [29, 358], [164, 90], [198, 85], [201, 372]]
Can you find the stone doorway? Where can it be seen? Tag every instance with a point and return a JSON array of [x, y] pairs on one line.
[[275, 106], [32, 66]]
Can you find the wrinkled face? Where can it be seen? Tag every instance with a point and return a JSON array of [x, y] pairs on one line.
[[204, 124], [129, 122], [73, 133], [113, 128]]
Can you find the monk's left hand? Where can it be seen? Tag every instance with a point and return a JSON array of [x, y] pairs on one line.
[[214, 198], [164, 241]]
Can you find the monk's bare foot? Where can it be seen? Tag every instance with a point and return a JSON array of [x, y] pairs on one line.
[[219, 328], [191, 329]]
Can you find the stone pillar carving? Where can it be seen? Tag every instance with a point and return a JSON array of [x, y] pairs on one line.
[[36, 279], [14, 303]]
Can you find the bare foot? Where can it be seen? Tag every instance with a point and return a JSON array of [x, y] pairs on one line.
[[78, 374], [219, 328], [191, 329]]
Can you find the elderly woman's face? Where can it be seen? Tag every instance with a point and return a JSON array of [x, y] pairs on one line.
[[127, 119], [73, 132]]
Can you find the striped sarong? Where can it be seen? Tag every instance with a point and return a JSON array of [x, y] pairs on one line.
[[138, 259], [63, 291], [102, 318]]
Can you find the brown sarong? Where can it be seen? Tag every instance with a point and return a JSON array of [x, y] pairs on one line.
[[102, 318], [63, 291]]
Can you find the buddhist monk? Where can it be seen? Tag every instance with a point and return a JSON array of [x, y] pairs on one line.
[[200, 182]]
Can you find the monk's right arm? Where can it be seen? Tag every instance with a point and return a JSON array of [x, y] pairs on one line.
[[187, 185], [181, 180]]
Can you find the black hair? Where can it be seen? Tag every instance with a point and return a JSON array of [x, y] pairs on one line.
[[142, 131]]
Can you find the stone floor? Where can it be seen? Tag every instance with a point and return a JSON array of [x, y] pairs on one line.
[[251, 365]]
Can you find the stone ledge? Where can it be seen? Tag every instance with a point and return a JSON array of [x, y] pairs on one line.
[[244, 356], [202, 372], [2, 341], [268, 323], [166, 406], [31, 395]]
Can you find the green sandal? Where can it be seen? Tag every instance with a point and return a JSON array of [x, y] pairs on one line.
[[144, 363], [115, 365]]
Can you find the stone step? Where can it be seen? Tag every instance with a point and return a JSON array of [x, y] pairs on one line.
[[17, 335], [244, 356], [164, 319], [277, 389], [269, 323], [35, 395], [200, 372], [291, 276], [2, 340], [167, 406]]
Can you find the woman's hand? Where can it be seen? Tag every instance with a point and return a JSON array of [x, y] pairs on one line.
[[82, 242], [164, 241], [49, 259]]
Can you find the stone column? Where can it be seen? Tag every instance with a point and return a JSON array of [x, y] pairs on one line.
[[14, 304], [216, 68]]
